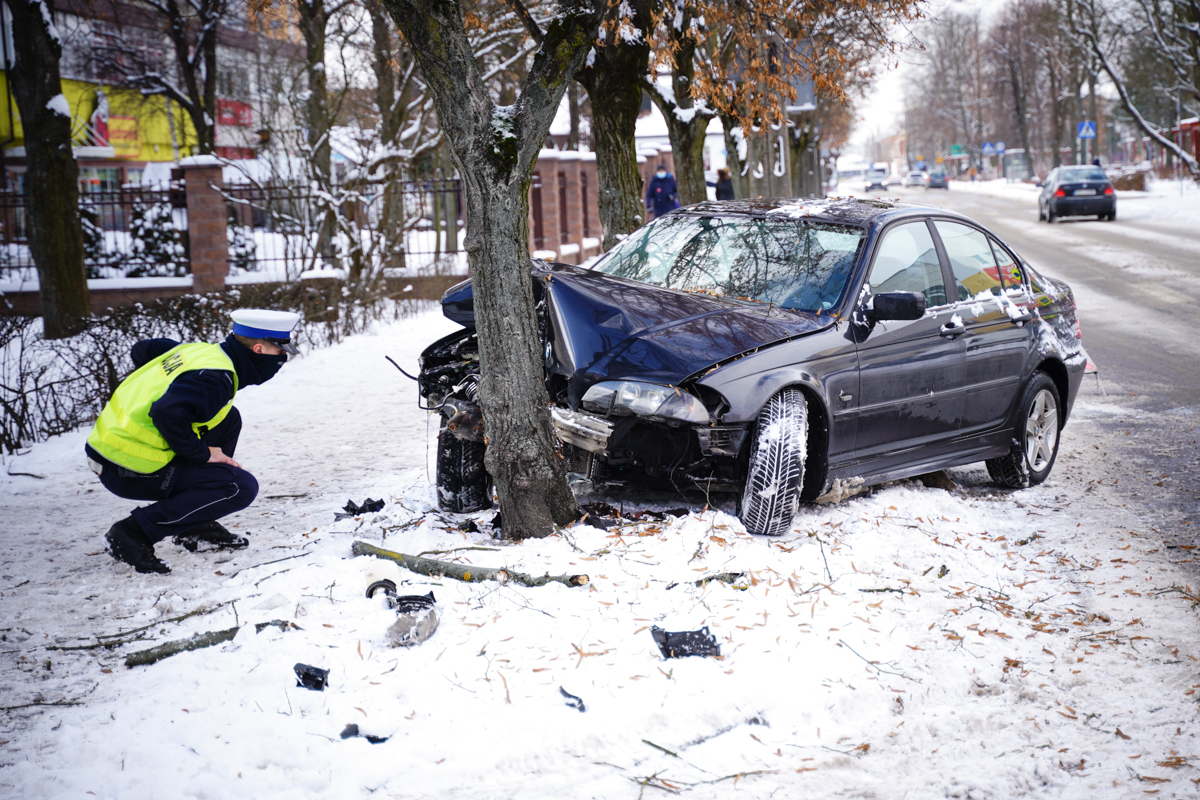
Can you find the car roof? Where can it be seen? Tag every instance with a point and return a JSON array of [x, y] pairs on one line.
[[863, 211]]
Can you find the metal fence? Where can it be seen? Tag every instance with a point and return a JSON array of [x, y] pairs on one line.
[[277, 230], [282, 230], [130, 233]]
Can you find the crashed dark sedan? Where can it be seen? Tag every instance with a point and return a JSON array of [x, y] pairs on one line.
[[781, 349]]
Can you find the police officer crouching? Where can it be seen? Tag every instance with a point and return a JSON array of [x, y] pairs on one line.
[[169, 432]]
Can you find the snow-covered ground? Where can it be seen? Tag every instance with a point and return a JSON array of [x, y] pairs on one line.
[[911, 642]]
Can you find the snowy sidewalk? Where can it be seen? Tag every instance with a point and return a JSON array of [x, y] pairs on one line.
[[908, 643]]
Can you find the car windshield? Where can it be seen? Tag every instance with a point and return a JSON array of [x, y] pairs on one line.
[[1082, 174], [791, 263]]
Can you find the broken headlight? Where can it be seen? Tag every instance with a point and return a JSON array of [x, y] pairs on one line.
[[645, 400]]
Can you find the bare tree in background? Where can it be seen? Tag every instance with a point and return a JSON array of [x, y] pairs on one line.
[[1173, 26]]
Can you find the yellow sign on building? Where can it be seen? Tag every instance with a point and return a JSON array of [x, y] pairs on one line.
[[125, 136]]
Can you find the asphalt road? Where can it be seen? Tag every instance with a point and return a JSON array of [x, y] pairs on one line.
[[1137, 284]]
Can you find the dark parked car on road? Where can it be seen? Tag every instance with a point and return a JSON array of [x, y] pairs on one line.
[[938, 180], [774, 348], [1077, 192]]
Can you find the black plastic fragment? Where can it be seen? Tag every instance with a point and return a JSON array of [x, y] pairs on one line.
[[351, 732], [368, 506], [310, 677], [572, 700], [678, 644], [409, 603]]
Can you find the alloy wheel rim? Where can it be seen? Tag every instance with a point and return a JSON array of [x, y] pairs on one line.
[[1041, 431]]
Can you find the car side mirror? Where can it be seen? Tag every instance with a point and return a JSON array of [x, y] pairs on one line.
[[896, 306]]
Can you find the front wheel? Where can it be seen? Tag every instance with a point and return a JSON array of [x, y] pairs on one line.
[[775, 477], [463, 485], [1035, 441]]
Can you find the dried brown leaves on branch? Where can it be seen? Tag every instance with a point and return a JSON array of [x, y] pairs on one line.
[[750, 57]]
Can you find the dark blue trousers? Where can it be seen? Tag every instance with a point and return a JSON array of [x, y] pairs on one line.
[[186, 495]]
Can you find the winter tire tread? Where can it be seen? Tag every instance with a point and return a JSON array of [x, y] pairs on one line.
[[463, 484], [777, 458]]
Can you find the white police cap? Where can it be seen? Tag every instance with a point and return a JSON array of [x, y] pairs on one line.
[[263, 323]]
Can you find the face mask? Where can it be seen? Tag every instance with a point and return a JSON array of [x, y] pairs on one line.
[[660, 174]]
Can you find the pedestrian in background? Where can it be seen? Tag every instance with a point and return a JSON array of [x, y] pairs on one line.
[[661, 193], [723, 185], [170, 430]]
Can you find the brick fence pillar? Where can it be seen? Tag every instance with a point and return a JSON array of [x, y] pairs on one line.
[[573, 230], [208, 243], [547, 167]]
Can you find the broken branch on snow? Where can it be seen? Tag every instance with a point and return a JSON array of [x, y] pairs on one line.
[[469, 574], [200, 640]]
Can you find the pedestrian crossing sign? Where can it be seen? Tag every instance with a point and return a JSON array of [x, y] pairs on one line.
[[1087, 130]]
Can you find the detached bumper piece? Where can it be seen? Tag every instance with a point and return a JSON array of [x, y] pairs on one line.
[[585, 431], [685, 643]]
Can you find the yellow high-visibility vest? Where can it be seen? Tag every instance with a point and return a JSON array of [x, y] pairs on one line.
[[125, 434]]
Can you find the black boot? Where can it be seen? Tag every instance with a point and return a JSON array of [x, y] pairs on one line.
[[127, 543], [210, 533]]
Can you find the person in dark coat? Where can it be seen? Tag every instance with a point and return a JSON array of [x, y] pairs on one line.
[[724, 185], [661, 194], [170, 430]]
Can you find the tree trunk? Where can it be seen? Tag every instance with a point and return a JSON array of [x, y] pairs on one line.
[[495, 150], [392, 114], [52, 180], [614, 85], [573, 111], [737, 169], [313, 20], [1020, 111], [687, 125]]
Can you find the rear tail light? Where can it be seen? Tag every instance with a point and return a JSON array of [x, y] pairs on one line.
[[1108, 190], [1060, 193]]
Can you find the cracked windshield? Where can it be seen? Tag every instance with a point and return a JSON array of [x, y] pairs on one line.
[[796, 265]]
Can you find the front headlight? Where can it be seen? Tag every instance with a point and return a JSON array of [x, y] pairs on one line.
[[645, 400]]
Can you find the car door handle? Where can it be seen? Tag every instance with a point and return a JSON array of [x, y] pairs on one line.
[[952, 330], [845, 398], [1021, 320]]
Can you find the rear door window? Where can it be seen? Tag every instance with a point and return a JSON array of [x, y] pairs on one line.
[[971, 260]]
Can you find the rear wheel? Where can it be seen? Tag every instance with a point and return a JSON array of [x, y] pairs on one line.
[[1112, 215], [1049, 214], [775, 477], [462, 482], [1035, 441]]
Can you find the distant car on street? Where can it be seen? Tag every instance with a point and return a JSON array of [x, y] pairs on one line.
[[914, 178], [937, 180], [876, 178], [1077, 192]]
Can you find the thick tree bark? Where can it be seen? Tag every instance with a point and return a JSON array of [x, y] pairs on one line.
[[52, 180], [1020, 110], [614, 84], [495, 149]]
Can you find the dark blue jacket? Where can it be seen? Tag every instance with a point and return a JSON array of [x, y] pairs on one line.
[[662, 195]]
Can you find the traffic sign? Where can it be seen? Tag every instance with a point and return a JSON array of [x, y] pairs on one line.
[[956, 149], [1000, 148], [1087, 130], [989, 149]]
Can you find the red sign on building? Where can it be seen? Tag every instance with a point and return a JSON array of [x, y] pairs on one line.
[[234, 112]]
